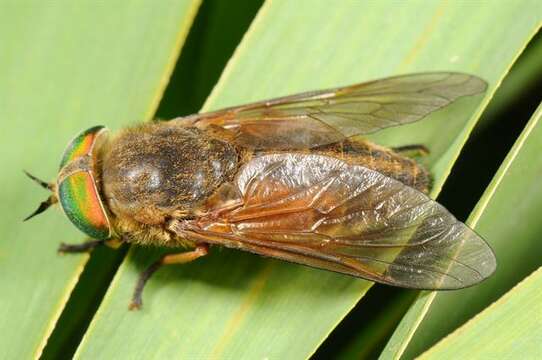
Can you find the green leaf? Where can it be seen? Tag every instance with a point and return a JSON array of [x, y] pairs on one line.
[[234, 305], [216, 32], [520, 82], [507, 216], [489, 143], [367, 341], [66, 66], [509, 328]]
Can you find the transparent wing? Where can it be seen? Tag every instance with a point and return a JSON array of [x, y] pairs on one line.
[[319, 211], [323, 117]]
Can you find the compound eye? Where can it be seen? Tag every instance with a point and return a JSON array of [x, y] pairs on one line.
[[77, 188], [82, 145], [81, 202]]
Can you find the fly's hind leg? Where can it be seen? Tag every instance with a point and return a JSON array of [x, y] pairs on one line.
[[411, 151], [179, 258]]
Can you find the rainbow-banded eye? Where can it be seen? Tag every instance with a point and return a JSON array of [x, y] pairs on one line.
[[77, 190]]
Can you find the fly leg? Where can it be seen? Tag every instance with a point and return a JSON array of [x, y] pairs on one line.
[[87, 246], [414, 150], [79, 248], [179, 258]]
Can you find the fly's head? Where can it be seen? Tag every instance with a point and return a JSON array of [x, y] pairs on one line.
[[78, 187]]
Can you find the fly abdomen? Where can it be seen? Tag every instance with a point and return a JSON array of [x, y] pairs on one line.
[[383, 160]]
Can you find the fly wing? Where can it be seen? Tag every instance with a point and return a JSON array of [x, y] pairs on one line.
[[318, 118], [322, 212]]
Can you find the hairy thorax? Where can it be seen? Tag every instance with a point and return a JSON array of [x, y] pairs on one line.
[[156, 171]]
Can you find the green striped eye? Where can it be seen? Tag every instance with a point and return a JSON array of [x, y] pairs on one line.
[[77, 190]]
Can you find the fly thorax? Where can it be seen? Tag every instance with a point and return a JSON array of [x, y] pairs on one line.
[[151, 171]]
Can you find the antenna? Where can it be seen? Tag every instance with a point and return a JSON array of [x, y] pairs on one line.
[[42, 183], [45, 204]]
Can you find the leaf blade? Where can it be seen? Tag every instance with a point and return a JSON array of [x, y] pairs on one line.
[[429, 318], [506, 328], [58, 78]]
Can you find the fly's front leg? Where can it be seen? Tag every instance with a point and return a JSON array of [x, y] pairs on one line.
[[179, 258], [79, 248], [88, 246]]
